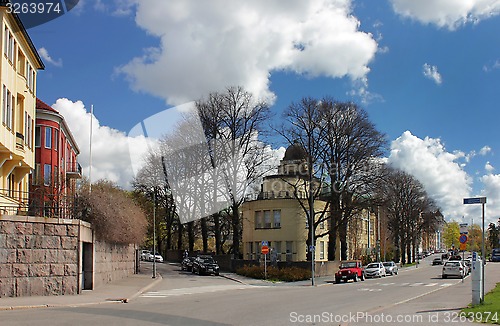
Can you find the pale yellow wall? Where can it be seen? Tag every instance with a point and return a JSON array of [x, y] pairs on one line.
[[293, 228], [18, 160]]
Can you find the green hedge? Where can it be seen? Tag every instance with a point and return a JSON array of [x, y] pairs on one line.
[[287, 274]]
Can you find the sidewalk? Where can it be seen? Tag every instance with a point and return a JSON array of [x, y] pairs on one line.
[[120, 291]]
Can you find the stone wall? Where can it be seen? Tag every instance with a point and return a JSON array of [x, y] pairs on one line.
[[112, 262], [44, 256], [38, 256]]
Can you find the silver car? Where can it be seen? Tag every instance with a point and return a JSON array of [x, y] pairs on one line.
[[390, 268], [375, 270], [454, 268]]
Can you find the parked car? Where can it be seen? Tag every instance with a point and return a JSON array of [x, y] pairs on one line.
[[157, 257], [187, 264], [205, 265], [145, 254], [375, 270], [437, 261], [495, 255], [350, 270], [391, 268], [454, 268]]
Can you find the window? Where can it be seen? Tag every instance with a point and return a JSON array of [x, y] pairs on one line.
[[37, 136], [7, 101], [267, 219], [48, 137], [258, 219], [36, 175], [277, 248], [56, 139], [277, 219], [9, 45], [47, 174], [321, 250]]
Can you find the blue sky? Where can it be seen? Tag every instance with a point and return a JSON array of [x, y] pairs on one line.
[[427, 72]]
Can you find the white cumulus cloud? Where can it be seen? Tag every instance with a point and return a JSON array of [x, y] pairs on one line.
[[206, 46], [111, 158], [491, 186], [432, 73], [427, 160], [450, 14]]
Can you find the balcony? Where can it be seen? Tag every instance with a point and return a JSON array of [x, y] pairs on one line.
[[74, 171], [19, 141]]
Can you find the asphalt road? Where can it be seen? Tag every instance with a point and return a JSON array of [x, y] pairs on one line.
[[417, 296]]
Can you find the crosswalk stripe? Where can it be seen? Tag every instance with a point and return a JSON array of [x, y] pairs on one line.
[[193, 290]]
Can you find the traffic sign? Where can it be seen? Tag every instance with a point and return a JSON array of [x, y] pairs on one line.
[[312, 248], [463, 238], [463, 246], [475, 200], [464, 228], [265, 250], [264, 243]]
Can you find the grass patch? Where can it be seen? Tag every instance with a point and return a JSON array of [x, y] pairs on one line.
[[288, 274], [488, 311]]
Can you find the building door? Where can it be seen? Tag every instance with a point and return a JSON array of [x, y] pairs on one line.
[[87, 266]]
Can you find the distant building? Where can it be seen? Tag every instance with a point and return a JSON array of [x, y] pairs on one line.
[[18, 72], [56, 167], [277, 217]]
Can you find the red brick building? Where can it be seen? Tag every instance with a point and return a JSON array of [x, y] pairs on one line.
[[53, 183]]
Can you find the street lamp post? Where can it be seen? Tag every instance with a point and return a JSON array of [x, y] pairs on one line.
[[154, 233]]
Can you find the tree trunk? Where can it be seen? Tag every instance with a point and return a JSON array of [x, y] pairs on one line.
[[204, 234], [343, 240], [218, 236], [180, 231], [235, 223], [190, 229]]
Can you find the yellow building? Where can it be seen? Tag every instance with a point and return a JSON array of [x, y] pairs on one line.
[[18, 71], [278, 218]]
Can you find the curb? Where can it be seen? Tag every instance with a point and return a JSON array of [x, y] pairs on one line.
[[158, 279]]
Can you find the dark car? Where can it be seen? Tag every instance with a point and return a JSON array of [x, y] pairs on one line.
[[205, 265], [437, 261], [187, 264], [495, 255]]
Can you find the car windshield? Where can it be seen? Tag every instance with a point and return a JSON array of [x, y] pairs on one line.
[[496, 251], [453, 264], [348, 265], [373, 265], [206, 260], [388, 264]]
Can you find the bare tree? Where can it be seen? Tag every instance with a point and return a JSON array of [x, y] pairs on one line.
[[351, 147], [304, 130], [410, 211], [232, 121]]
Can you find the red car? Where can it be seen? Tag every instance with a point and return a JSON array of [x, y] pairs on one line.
[[350, 270]]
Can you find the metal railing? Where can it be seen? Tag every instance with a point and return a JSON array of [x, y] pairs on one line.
[[39, 202]]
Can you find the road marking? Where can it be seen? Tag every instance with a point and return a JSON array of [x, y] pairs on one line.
[[431, 284], [417, 284], [194, 290]]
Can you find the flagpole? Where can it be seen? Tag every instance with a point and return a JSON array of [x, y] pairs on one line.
[[90, 156]]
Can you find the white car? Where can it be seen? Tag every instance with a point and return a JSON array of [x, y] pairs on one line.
[[145, 254], [375, 270], [454, 268], [157, 257]]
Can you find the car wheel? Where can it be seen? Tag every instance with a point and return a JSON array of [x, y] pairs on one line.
[[362, 277], [444, 276], [337, 281], [199, 271], [216, 273]]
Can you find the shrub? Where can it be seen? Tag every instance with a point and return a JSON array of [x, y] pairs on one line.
[[114, 216], [287, 274]]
